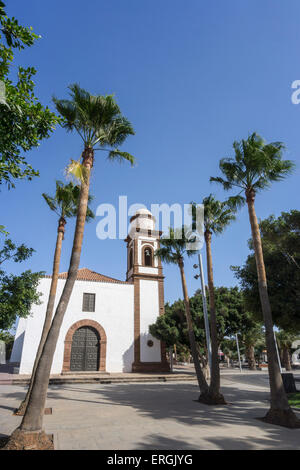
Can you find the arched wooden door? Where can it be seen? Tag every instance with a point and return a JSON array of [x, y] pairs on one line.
[[85, 350]]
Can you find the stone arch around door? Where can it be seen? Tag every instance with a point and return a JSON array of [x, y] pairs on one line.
[[68, 343]]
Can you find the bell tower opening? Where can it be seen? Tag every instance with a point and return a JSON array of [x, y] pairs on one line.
[[148, 256]]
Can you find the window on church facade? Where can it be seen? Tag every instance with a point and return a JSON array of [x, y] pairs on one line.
[[148, 258], [88, 302]]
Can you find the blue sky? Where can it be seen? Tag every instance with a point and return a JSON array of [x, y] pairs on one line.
[[192, 77]]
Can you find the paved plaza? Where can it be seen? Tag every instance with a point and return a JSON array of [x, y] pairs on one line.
[[156, 416]]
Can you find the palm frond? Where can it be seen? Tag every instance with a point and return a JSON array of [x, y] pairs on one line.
[[174, 246], [97, 119], [67, 110], [50, 201], [218, 215], [121, 156], [256, 164], [66, 199], [76, 171]]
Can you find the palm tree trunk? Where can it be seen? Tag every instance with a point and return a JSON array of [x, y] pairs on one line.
[[171, 358], [49, 310], [280, 411], [250, 357], [33, 418], [204, 362], [286, 358], [199, 373], [214, 388]]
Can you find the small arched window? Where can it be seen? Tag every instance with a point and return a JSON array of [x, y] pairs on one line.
[[130, 263], [148, 257]]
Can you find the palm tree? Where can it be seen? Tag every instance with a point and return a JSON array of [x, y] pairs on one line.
[[217, 216], [172, 251], [251, 338], [64, 204], [254, 167], [285, 340], [101, 126]]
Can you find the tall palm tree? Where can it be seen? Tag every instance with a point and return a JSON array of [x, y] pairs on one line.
[[64, 204], [217, 216], [101, 126], [254, 167], [172, 251]]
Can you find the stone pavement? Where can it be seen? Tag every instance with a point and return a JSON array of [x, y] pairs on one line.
[[156, 416]]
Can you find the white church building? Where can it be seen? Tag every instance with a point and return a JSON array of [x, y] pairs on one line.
[[106, 325]]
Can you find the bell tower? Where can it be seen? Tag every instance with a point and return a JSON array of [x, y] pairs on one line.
[[144, 270]]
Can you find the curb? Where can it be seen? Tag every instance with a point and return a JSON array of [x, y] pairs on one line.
[[104, 380]]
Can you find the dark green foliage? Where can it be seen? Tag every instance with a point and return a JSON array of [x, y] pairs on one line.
[[283, 234], [294, 399], [253, 336], [6, 336], [281, 248], [229, 348], [8, 339], [16, 253], [232, 317], [24, 121], [17, 295], [16, 36], [166, 327], [285, 339]]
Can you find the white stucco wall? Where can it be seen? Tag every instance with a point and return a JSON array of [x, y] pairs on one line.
[[18, 342], [113, 311], [149, 311]]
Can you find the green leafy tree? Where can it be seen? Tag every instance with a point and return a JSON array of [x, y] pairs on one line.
[[251, 343], [24, 121], [228, 347], [17, 293], [10, 251], [281, 249], [232, 318], [172, 329], [8, 339], [166, 328], [283, 234], [64, 204], [101, 126], [254, 167]]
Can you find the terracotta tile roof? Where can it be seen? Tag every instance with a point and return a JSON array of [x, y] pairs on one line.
[[85, 274]]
